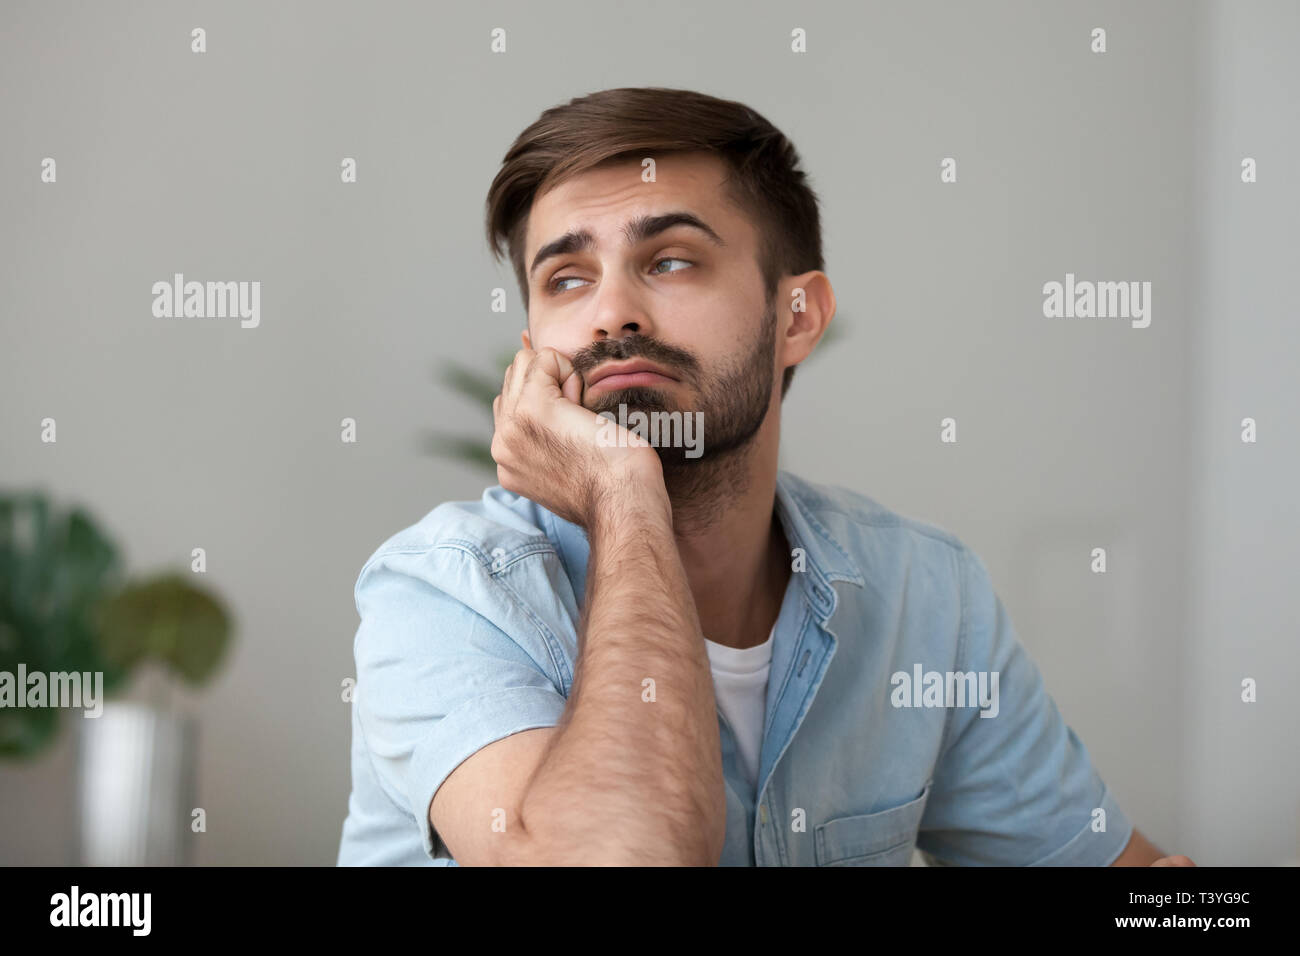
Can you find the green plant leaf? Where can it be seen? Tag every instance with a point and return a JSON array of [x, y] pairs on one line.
[[166, 619], [473, 451], [26, 732], [55, 566], [473, 385], [482, 388]]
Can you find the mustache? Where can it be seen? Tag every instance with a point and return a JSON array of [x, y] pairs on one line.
[[634, 346]]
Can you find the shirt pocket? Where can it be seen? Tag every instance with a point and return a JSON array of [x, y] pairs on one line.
[[884, 838]]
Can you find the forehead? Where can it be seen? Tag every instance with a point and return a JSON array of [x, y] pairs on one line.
[[604, 197]]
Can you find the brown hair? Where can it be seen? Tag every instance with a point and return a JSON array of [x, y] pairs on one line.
[[765, 179]]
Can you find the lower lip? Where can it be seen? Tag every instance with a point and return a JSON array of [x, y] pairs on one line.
[[631, 380]]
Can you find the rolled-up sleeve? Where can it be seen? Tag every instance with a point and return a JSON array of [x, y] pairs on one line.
[[1018, 788], [437, 680]]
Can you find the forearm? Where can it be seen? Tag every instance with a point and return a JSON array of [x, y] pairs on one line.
[[1142, 852], [628, 779]]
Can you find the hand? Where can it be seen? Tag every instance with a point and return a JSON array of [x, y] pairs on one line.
[[1140, 850], [546, 442]]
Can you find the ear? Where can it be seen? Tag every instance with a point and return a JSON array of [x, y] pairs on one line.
[[816, 300], [523, 337]]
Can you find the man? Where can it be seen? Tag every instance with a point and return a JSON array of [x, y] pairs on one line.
[[637, 652]]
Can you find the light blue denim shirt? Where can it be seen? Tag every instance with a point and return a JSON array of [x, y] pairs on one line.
[[469, 634]]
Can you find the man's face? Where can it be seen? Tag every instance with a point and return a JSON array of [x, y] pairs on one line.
[[674, 295]]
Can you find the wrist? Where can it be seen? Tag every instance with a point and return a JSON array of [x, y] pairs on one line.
[[634, 497]]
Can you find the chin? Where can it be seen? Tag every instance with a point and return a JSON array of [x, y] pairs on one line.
[[641, 398]]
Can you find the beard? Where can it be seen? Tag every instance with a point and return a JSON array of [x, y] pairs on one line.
[[733, 401]]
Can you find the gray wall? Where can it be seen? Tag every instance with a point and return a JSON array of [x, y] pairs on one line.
[[1072, 434], [1243, 761]]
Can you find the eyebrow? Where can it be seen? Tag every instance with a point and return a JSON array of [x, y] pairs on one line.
[[635, 231]]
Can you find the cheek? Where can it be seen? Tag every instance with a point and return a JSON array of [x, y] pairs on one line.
[[716, 326], [565, 341]]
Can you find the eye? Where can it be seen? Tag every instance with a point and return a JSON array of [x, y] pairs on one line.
[[554, 286], [668, 259]]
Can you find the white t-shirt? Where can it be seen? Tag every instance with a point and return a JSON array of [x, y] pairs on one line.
[[740, 685]]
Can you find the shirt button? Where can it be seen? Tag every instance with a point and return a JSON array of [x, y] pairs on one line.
[[762, 813]]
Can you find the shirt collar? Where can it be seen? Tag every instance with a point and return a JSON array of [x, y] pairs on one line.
[[826, 560]]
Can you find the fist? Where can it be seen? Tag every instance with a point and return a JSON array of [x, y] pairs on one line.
[[552, 450]]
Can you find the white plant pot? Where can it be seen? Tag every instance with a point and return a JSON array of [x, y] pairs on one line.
[[136, 786]]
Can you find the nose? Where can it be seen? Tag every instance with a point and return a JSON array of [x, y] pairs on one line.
[[618, 311]]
